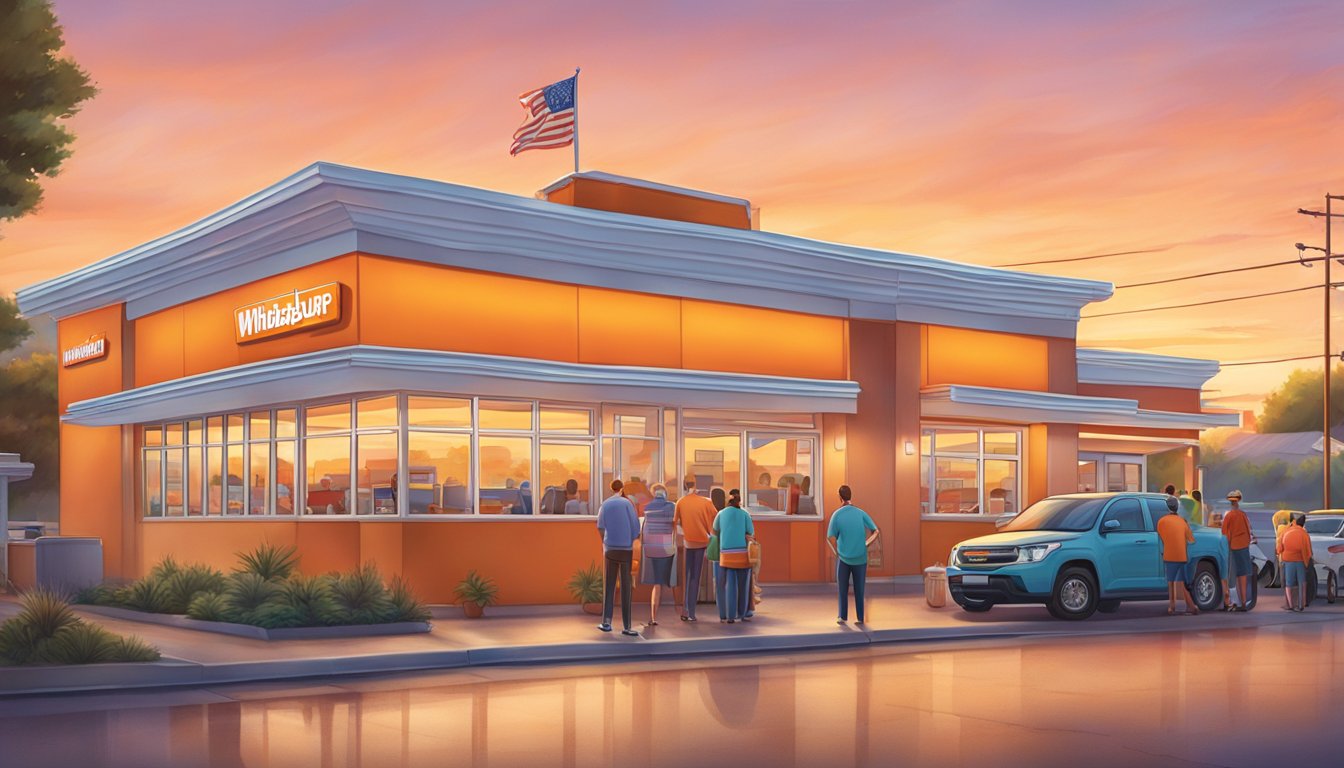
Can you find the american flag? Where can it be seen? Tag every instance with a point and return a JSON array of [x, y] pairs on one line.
[[550, 117]]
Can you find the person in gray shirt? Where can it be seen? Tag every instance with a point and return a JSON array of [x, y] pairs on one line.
[[618, 527]]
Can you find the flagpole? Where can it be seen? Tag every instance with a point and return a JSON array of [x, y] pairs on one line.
[[576, 119]]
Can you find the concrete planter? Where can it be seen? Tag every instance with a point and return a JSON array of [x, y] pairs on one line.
[[594, 609], [258, 633]]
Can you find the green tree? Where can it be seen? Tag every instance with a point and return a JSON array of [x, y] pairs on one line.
[[30, 422], [1296, 406], [13, 329], [37, 89]]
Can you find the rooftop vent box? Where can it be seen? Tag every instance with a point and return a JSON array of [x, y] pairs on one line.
[[619, 194]]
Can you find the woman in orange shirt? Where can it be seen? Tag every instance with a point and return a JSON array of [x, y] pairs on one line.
[[1295, 557]]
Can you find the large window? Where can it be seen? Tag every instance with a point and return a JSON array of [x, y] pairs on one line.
[[776, 471], [970, 470]]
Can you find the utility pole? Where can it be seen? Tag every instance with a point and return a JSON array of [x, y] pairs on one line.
[[1328, 215]]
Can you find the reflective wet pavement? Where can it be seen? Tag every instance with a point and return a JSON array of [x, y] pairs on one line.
[[1243, 697]]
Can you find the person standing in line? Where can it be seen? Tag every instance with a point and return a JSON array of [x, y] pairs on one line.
[[1281, 520], [1237, 531], [849, 533], [694, 514], [734, 528], [1189, 508], [1203, 515], [1175, 534], [1295, 557], [617, 526], [659, 537]]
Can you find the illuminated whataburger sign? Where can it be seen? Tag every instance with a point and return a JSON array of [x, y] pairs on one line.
[[291, 312], [93, 348]]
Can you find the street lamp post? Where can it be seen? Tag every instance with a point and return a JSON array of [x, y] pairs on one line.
[[1328, 215]]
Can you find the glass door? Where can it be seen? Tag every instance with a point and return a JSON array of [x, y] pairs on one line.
[[1111, 472]]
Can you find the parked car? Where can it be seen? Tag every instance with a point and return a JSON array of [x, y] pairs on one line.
[[1326, 528], [1081, 553]]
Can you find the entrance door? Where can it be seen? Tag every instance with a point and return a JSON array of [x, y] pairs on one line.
[[1111, 472]]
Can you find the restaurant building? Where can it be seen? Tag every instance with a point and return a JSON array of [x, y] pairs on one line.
[[437, 378]]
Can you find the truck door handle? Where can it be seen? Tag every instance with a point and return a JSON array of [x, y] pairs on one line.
[[1140, 541]]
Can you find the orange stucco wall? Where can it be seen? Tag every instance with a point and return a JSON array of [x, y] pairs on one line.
[[1152, 398], [22, 564], [95, 377], [983, 358]]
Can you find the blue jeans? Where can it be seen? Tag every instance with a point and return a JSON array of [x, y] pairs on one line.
[[720, 578], [695, 561], [844, 572], [737, 591], [1294, 574]]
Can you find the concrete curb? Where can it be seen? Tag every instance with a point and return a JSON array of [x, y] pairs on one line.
[[169, 673], [258, 633]]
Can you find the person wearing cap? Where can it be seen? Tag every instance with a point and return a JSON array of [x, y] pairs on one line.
[[1237, 532], [1294, 552], [1175, 534]]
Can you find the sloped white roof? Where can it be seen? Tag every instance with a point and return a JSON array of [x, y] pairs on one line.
[[329, 210], [1115, 366]]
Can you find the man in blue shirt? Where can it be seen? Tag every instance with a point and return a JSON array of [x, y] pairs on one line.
[[618, 527], [848, 536]]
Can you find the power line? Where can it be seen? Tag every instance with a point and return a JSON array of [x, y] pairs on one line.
[[1220, 272], [1279, 360], [1082, 258], [1203, 303]]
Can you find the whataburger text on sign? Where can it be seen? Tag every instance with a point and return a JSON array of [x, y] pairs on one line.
[[291, 312], [92, 348]]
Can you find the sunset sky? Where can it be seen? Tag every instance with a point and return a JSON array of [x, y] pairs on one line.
[[992, 133]]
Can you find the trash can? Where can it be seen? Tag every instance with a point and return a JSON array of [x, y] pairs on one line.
[[935, 586]]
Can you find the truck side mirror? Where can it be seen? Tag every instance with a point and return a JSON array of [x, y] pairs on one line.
[[1110, 525]]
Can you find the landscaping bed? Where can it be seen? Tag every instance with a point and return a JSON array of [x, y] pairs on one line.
[[260, 633], [46, 631]]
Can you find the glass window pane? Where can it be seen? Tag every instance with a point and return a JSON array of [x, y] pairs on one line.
[[193, 470], [153, 436], [635, 420], [954, 483], [285, 422], [567, 421], [377, 412], [641, 461], [506, 473], [924, 507], [235, 428], [214, 429], [956, 442], [566, 479], [214, 481], [671, 463], [260, 424], [235, 480], [258, 493], [194, 432], [1001, 484], [438, 466], [284, 477], [1087, 476], [779, 474], [448, 412], [321, 419], [172, 433], [328, 475], [172, 477], [714, 460], [1001, 443], [505, 414], [153, 489], [1122, 477], [926, 444], [377, 462]]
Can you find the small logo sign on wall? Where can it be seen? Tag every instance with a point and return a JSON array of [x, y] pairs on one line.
[[290, 312], [93, 348]]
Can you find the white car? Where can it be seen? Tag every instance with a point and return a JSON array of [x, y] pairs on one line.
[[1327, 550]]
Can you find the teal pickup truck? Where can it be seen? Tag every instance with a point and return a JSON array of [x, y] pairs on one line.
[[1082, 553]]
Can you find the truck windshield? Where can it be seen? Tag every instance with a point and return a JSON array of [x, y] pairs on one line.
[[1057, 515]]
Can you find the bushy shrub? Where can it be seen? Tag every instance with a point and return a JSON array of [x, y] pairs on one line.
[[246, 594], [46, 631], [404, 605], [208, 606], [149, 594], [184, 585], [98, 594], [164, 569], [361, 597], [312, 599], [269, 561]]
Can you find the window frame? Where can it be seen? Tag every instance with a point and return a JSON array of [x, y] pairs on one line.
[[929, 501]]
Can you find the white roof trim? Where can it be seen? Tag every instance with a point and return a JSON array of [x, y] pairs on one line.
[[356, 369], [612, 178], [1100, 442], [1023, 407], [14, 469], [328, 210], [1114, 366]]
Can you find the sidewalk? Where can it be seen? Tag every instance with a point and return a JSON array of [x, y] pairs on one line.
[[791, 618]]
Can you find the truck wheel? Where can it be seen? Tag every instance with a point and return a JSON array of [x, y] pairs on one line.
[[1205, 589], [1313, 584], [1268, 577], [1075, 595], [1331, 588], [1108, 606], [1252, 586], [978, 606]]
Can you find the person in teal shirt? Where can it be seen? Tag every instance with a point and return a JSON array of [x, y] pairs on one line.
[[849, 537]]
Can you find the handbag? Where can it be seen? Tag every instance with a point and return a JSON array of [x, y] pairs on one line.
[[754, 553], [636, 554], [712, 551], [875, 552]]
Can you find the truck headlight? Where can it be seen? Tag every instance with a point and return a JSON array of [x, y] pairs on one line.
[[952, 558], [1035, 552]]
